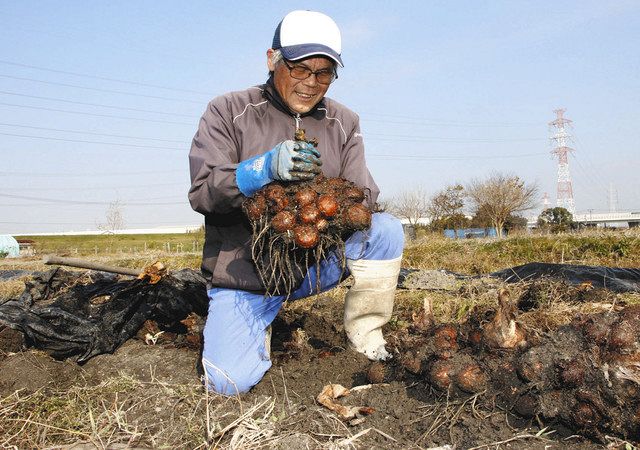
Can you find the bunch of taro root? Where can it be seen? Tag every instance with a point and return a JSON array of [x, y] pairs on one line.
[[585, 375], [296, 224]]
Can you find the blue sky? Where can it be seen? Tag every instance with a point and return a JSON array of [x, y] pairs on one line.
[[99, 100]]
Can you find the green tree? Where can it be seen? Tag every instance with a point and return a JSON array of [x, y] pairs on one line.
[[515, 222], [482, 219], [556, 219], [445, 208]]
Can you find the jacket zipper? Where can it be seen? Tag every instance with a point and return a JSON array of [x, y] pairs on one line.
[[298, 121]]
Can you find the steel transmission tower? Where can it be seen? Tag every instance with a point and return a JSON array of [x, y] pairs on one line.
[[561, 138], [545, 201]]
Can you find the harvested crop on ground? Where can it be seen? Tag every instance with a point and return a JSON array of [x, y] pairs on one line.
[[585, 375]]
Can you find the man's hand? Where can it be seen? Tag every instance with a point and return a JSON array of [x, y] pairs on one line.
[[295, 160], [287, 161]]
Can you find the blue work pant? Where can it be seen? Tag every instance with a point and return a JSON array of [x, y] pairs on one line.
[[235, 357]]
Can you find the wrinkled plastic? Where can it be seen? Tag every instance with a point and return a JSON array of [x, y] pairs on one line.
[[81, 315], [9, 246], [70, 315], [613, 278], [6, 275]]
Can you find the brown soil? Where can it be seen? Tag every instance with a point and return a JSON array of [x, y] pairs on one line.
[[405, 408], [309, 352]]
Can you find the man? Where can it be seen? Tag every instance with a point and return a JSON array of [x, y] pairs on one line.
[[230, 160]]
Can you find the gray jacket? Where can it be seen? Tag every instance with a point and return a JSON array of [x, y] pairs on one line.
[[237, 126]]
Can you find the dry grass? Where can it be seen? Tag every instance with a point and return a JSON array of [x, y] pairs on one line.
[[10, 289], [553, 303], [429, 251], [127, 412], [96, 245], [120, 410], [124, 412], [478, 256]]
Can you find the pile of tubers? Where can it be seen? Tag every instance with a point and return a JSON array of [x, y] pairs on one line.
[[296, 224], [584, 375]]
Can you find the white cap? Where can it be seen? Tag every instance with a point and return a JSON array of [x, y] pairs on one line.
[[307, 33]]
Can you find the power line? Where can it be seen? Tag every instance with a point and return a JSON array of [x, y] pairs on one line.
[[386, 156], [413, 138], [82, 113], [411, 119], [592, 169], [122, 108], [406, 119], [93, 188], [116, 48], [81, 202], [592, 178], [450, 158], [110, 91], [92, 133], [452, 123], [93, 174], [424, 122], [89, 142], [92, 223], [97, 77], [60, 206], [391, 137]]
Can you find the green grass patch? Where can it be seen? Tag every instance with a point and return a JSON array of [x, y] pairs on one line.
[[121, 243]]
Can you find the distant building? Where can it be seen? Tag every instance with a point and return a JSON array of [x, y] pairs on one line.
[[9, 247], [469, 233], [26, 247]]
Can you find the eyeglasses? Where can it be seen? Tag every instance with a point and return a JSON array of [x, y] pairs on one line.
[[323, 76]]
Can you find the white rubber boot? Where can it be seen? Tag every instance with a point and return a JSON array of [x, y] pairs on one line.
[[369, 303]]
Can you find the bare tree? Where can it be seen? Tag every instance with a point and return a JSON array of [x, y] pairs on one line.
[[411, 205], [114, 218], [445, 207], [500, 196]]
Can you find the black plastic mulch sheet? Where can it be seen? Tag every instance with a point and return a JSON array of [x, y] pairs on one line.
[[613, 278], [72, 315], [11, 274], [81, 315]]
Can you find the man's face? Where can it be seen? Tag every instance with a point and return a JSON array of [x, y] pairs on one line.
[[300, 95]]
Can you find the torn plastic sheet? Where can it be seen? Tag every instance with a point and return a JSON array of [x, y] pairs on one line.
[[81, 315], [6, 275], [613, 278], [616, 279]]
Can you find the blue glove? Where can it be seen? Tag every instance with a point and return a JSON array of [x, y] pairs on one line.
[[295, 160], [287, 161]]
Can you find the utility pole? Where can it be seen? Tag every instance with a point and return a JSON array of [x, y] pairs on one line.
[[560, 138], [545, 201], [613, 199]]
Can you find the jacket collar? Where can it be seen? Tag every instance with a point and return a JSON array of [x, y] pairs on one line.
[[270, 93]]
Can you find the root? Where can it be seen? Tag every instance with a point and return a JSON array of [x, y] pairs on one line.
[[283, 254]]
